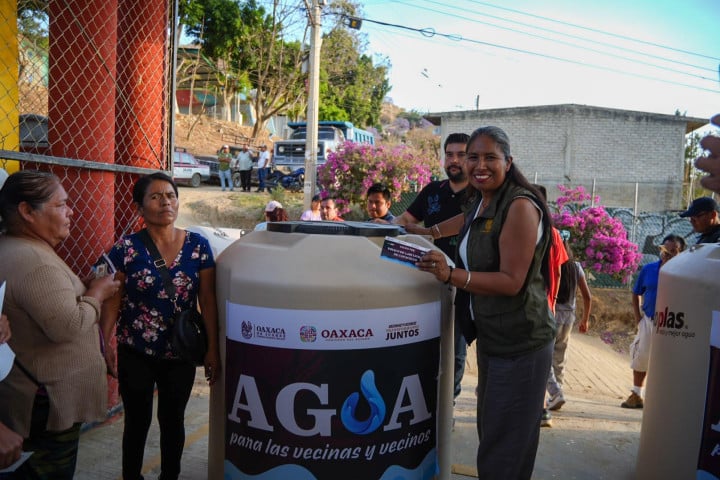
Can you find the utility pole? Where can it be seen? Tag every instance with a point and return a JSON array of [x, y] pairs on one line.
[[311, 142]]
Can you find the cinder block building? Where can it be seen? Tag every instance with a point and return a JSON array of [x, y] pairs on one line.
[[623, 156]]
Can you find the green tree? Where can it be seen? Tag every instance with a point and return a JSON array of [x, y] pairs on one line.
[[268, 45], [215, 25], [349, 81], [247, 44], [274, 65], [34, 37]]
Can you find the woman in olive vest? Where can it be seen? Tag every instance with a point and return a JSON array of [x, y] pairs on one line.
[[501, 299]]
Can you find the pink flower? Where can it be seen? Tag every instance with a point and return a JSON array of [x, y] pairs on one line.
[[598, 240]]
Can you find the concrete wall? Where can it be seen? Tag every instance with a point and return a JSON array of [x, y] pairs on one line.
[[603, 149]]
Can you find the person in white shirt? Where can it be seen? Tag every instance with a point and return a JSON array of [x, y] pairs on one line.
[[263, 165], [244, 164]]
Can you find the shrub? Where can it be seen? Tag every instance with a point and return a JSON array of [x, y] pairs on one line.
[[353, 168], [599, 242]]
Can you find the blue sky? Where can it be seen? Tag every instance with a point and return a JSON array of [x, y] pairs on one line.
[[485, 62]]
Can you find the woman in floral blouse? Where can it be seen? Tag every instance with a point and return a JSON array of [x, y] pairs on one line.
[[142, 316]]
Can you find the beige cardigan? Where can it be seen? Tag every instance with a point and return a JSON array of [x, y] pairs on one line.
[[55, 335]]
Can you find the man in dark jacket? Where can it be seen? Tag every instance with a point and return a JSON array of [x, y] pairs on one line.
[[439, 201], [705, 219]]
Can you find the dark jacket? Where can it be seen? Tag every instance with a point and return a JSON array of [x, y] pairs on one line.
[[505, 325], [713, 236]]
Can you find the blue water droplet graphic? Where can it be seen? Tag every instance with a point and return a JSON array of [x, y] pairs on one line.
[[374, 399]]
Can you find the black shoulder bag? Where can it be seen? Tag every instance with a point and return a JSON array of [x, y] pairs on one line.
[[189, 337]]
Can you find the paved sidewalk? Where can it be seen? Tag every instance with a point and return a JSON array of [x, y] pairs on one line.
[[591, 437]]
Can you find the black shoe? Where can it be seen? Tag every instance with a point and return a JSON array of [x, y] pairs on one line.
[[546, 419]]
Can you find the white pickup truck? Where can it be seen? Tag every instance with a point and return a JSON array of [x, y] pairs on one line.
[[291, 152], [187, 170]]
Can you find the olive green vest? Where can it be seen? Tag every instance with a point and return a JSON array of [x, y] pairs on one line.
[[507, 326]]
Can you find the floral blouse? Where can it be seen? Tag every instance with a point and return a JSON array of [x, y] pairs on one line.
[[146, 312]]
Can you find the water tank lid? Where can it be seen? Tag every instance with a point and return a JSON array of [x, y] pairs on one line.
[[358, 229]]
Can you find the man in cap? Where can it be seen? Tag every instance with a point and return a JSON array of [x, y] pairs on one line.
[[705, 219], [274, 212]]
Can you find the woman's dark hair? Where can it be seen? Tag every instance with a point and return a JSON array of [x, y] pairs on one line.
[[31, 186], [514, 174], [143, 183], [277, 215], [568, 277]]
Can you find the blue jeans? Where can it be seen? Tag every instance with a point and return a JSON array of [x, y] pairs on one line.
[[460, 355], [225, 179], [262, 173]]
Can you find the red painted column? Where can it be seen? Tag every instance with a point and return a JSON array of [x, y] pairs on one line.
[[142, 93], [81, 117], [81, 123]]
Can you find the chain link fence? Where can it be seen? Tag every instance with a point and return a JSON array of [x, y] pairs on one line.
[[645, 229], [85, 90]]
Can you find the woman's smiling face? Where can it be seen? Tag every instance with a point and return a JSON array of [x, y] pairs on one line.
[[486, 164]]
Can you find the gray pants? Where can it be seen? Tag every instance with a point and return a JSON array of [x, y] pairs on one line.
[[510, 402], [565, 320]]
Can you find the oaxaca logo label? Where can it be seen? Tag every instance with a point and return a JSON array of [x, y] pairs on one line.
[[308, 333], [246, 329], [672, 324], [346, 334], [270, 333]]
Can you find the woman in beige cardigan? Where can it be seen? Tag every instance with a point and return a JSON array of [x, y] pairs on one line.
[[60, 381]]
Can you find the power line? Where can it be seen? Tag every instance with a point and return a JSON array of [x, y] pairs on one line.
[[565, 34], [431, 32], [590, 29]]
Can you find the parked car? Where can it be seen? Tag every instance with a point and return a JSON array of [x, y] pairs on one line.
[[187, 170]]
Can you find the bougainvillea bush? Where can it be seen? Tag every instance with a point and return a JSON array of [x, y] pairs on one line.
[[353, 167], [598, 241]]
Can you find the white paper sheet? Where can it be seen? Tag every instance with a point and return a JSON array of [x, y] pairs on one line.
[[24, 456], [7, 357]]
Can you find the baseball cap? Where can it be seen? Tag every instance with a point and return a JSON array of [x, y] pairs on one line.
[[272, 205], [700, 205], [226, 146]]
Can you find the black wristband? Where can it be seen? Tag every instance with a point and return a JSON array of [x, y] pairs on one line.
[[449, 276]]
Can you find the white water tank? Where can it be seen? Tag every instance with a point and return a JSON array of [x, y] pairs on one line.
[[331, 358], [680, 435], [219, 238]]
